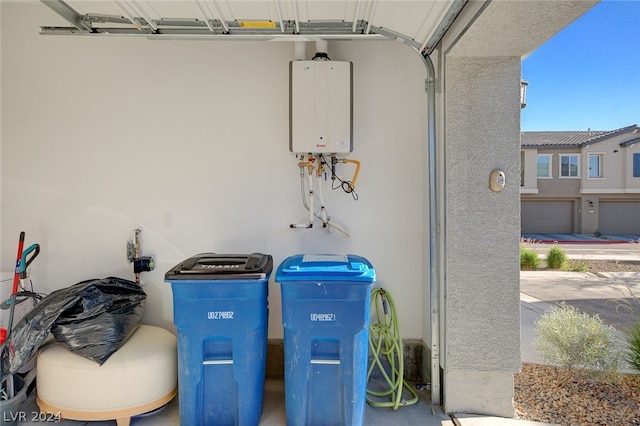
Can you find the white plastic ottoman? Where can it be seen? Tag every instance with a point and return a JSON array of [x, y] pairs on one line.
[[140, 377]]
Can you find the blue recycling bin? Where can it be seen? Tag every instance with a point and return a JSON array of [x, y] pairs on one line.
[[325, 315], [220, 309]]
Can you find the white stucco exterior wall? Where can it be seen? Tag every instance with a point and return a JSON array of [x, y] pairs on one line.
[[479, 107], [482, 296]]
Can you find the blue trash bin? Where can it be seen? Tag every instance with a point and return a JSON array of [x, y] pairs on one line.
[[220, 309], [325, 315]]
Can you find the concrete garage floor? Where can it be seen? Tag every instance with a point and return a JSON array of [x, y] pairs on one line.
[[273, 413]]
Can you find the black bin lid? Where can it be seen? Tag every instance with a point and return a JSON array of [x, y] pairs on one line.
[[212, 266]]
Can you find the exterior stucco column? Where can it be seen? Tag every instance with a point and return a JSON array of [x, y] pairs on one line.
[[482, 309]]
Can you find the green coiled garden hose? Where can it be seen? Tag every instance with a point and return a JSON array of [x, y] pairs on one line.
[[385, 340]]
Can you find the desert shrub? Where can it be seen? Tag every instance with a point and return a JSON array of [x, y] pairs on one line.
[[557, 258], [632, 354], [575, 341], [530, 241], [630, 303], [577, 265], [529, 259]]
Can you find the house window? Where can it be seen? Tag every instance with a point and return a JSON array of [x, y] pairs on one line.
[[569, 165], [636, 164], [595, 165], [544, 165]]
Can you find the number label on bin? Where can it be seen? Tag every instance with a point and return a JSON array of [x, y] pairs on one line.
[[220, 315], [323, 317]]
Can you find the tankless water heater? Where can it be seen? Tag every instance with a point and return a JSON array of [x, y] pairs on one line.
[[320, 107]]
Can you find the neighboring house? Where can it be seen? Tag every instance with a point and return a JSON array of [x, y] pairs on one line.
[[585, 182]]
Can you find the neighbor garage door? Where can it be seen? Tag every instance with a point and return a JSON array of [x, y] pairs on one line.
[[546, 217], [619, 217]]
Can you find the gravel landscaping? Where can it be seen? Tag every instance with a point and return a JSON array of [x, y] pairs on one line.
[[582, 401], [608, 265]]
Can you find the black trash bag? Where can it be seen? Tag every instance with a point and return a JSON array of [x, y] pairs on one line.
[[93, 318]]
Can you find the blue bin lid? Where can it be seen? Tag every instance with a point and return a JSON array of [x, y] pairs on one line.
[[326, 267]]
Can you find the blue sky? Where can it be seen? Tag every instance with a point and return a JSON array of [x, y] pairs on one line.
[[587, 75]]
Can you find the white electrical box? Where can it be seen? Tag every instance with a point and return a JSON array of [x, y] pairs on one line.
[[320, 107]]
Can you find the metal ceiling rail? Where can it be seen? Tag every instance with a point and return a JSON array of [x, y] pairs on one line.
[[370, 19], [210, 22], [197, 29], [444, 24], [68, 13], [207, 27], [135, 22], [193, 27], [204, 8]]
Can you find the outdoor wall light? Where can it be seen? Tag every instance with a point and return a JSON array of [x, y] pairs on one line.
[[523, 94], [497, 180], [591, 203]]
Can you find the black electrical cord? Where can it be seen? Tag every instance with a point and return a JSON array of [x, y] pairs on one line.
[[345, 185], [23, 296]]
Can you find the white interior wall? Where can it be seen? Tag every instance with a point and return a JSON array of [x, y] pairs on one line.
[[104, 135]]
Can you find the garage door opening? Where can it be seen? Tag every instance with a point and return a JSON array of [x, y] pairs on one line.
[[547, 217]]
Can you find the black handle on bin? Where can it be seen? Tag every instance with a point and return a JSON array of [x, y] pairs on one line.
[[220, 261], [253, 261]]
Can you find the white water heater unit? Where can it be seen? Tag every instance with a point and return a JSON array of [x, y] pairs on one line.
[[320, 107]]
